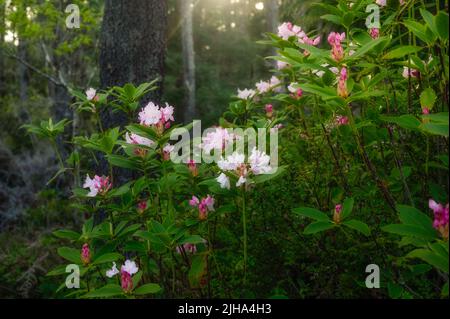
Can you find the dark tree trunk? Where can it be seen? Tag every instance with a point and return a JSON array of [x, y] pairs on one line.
[[132, 47]]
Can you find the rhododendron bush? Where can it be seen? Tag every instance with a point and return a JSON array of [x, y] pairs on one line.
[[361, 114]]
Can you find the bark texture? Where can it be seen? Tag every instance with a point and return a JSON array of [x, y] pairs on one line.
[[132, 47]]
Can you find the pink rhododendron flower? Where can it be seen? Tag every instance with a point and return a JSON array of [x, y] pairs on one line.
[[187, 247], [152, 114], [194, 201], [282, 65], [426, 110], [341, 120], [204, 205], [217, 140], [85, 254], [374, 33], [97, 185], [126, 282], [409, 72], [91, 94], [342, 84], [296, 92], [441, 217], [337, 51], [287, 30], [381, 3], [246, 94], [402, 2], [306, 40], [263, 87], [128, 269]]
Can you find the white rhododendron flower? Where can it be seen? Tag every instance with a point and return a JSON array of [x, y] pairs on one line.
[[246, 94], [224, 181], [259, 162], [241, 181], [232, 162], [167, 113], [90, 94], [113, 271], [136, 139], [217, 140], [293, 87], [263, 87], [150, 114], [129, 267]]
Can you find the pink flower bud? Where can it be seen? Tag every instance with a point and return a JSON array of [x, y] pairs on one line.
[[426, 111], [85, 254], [141, 206], [193, 167], [269, 110], [126, 282]]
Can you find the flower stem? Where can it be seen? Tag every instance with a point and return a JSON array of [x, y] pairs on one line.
[[244, 224]]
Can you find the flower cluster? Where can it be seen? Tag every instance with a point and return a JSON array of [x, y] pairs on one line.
[[440, 222], [258, 163], [266, 86], [153, 115], [128, 269], [246, 94], [97, 185], [205, 205], [219, 139], [335, 40]]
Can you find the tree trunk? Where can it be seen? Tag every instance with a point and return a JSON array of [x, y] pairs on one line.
[[132, 47], [2, 55], [187, 42], [273, 19]]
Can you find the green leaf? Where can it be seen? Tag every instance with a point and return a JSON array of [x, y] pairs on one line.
[[198, 270], [407, 121], [109, 290], [318, 227], [444, 291], [367, 47], [311, 213], [358, 226], [412, 216], [429, 20], [70, 254], [401, 51], [66, 234], [193, 239], [269, 175], [430, 257], [333, 18], [347, 207], [408, 230], [441, 21], [435, 128], [427, 98], [106, 258], [419, 30], [121, 161], [147, 289]]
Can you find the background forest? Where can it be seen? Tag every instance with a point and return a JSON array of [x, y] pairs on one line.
[[200, 52]]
